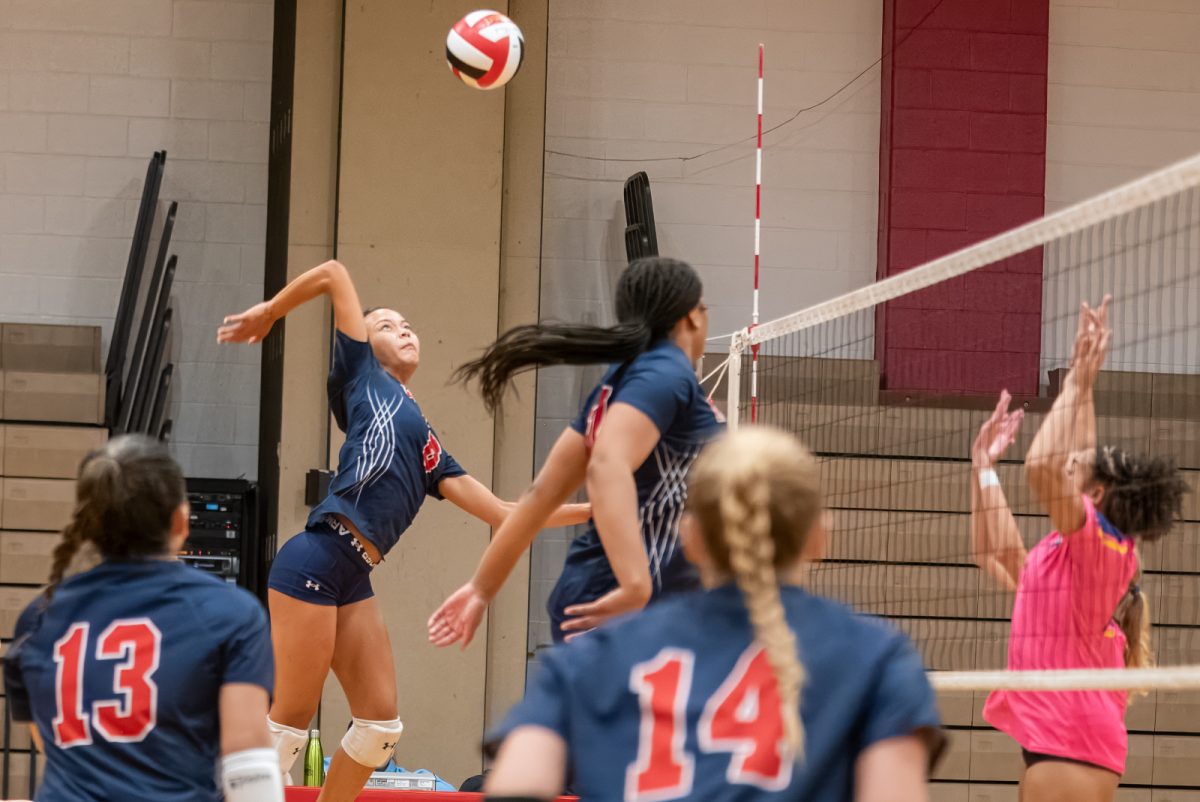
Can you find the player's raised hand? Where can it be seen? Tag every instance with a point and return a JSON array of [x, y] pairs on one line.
[[997, 433], [458, 617], [1092, 339], [250, 326]]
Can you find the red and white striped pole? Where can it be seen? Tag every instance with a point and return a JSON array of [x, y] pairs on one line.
[[757, 239]]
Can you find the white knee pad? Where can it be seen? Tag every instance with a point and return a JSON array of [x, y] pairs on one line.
[[289, 743], [251, 775], [370, 743]]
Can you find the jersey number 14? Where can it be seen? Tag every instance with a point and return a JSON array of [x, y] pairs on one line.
[[132, 712], [741, 718]]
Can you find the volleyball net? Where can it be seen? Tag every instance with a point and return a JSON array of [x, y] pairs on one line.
[[888, 385]]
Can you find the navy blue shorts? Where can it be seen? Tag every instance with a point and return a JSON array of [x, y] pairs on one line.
[[322, 565], [585, 577]]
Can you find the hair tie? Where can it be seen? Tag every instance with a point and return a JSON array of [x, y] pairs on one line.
[[1135, 590]]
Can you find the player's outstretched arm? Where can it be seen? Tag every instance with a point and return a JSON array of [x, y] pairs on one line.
[[473, 498], [250, 766], [531, 765], [458, 617], [622, 445], [330, 278], [996, 543], [1070, 426]]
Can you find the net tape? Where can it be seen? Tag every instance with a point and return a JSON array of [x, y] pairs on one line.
[[1089, 679]]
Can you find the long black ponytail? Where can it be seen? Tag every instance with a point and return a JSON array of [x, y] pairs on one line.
[[653, 294]]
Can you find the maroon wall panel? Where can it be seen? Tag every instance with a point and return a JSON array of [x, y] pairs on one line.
[[962, 157]]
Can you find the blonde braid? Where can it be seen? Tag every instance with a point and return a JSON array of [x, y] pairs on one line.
[[746, 512]]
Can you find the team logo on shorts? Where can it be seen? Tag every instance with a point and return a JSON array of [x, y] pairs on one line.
[[432, 453]]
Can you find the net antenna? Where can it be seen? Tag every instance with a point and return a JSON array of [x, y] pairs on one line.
[[895, 464], [757, 238]]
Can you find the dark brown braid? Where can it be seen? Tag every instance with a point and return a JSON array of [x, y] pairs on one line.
[[125, 495]]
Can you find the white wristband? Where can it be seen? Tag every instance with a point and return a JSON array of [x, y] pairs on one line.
[[252, 775], [988, 478]]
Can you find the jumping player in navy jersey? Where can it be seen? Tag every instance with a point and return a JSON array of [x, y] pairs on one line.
[[632, 442], [753, 690], [143, 677], [323, 610]]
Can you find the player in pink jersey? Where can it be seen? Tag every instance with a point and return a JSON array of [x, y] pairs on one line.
[[1079, 603]]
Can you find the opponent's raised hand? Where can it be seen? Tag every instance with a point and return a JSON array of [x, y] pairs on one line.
[[1092, 339], [997, 433]]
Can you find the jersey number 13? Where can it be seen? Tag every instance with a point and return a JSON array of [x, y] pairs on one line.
[[130, 714]]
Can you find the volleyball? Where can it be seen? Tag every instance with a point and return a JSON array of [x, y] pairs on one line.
[[484, 49]]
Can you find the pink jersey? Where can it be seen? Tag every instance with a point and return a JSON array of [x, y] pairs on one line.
[[1062, 619]]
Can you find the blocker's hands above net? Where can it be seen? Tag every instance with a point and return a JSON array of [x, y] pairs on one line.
[[997, 433], [1092, 339]]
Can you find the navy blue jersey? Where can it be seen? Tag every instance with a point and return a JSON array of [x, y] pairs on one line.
[[679, 702], [121, 673], [662, 384], [391, 459]]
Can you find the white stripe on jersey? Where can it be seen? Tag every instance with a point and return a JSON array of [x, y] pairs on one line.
[[379, 443], [658, 517]]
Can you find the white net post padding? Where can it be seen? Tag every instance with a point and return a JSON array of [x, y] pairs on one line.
[[733, 379]]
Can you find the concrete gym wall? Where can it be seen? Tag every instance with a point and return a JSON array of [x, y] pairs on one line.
[[630, 81], [1124, 92], [88, 90], [1123, 99], [520, 280]]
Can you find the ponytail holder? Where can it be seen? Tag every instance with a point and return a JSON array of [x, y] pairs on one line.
[[1135, 590]]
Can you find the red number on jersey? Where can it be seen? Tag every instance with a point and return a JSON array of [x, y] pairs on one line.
[[743, 717], [664, 768], [133, 714], [596, 415], [70, 725]]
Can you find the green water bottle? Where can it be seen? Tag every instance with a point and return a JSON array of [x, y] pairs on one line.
[[314, 760]]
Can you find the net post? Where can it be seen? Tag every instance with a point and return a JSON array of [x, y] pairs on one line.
[[733, 384], [757, 239]]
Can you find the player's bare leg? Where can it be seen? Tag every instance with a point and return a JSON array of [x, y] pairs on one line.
[[362, 662], [303, 638]]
